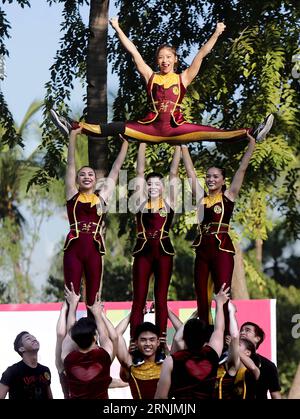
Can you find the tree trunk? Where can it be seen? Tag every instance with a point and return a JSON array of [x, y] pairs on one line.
[[295, 389], [239, 289], [258, 251], [97, 83]]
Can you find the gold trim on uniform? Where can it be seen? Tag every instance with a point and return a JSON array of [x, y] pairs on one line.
[[182, 138], [155, 205], [166, 80], [87, 198], [147, 371], [211, 200]]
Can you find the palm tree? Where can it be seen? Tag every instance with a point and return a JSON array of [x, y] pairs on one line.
[[12, 221]]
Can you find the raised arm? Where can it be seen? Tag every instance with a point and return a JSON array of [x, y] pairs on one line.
[[175, 320], [104, 339], [233, 353], [123, 324], [122, 350], [139, 195], [111, 331], [164, 382], [238, 178], [217, 338], [191, 72], [173, 177], [61, 331], [177, 342], [110, 182], [72, 298], [70, 178], [250, 365], [141, 66], [197, 190]]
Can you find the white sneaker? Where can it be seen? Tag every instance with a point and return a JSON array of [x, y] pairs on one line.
[[62, 123], [263, 129]]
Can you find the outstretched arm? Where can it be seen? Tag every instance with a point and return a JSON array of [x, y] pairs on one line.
[[217, 338], [197, 190], [141, 66], [233, 353], [111, 331], [122, 351], [61, 331], [110, 182], [164, 382], [139, 195], [70, 178], [191, 72], [104, 339], [250, 365], [72, 298], [238, 178], [178, 342], [173, 177], [123, 324]]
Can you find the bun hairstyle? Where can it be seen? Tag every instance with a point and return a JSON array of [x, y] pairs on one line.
[[170, 47]]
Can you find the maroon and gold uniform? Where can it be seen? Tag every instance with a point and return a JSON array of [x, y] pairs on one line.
[[84, 244], [143, 380], [153, 254], [165, 121], [214, 254], [240, 386], [194, 374], [88, 374]]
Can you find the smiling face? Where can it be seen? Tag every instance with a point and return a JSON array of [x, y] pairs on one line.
[[86, 179], [214, 180], [166, 60], [154, 187], [148, 343]]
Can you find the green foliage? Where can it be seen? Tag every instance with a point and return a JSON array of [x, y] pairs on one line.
[[182, 285], [117, 263]]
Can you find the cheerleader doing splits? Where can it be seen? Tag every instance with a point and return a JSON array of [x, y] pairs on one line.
[[165, 90]]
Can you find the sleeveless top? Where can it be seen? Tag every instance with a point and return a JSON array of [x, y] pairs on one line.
[[165, 94], [154, 225], [216, 222], [86, 215]]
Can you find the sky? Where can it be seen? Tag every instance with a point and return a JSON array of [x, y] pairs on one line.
[[32, 47]]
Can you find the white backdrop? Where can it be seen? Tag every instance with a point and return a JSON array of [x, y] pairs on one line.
[[42, 325]]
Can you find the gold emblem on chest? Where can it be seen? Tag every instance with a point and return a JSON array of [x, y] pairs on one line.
[[217, 209]]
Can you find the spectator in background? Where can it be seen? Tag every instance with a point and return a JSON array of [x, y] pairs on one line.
[[27, 379], [268, 379]]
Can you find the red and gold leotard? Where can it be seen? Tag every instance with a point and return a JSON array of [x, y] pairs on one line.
[[85, 214], [165, 121]]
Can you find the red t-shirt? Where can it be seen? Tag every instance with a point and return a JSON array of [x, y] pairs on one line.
[[88, 374], [194, 374]]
